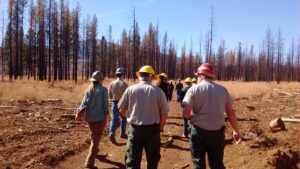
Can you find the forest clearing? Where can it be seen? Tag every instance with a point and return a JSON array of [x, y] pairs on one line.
[[63, 61], [38, 128]]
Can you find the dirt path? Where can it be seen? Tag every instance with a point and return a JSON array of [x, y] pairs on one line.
[[37, 135], [175, 156]]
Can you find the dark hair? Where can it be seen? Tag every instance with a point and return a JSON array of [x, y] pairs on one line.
[[143, 74], [119, 75]]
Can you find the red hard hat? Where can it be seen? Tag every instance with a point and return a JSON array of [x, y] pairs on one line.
[[206, 69]]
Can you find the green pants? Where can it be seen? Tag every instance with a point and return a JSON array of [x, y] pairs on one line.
[[210, 142], [139, 138]]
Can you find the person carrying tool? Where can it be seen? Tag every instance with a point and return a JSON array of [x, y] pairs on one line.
[[96, 102], [116, 90], [186, 126], [146, 109], [163, 84], [208, 101]]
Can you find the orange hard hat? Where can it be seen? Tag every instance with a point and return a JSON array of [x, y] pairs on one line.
[[206, 69]]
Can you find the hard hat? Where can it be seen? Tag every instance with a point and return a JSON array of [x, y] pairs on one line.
[[97, 75], [194, 80], [163, 75], [207, 70], [145, 69], [188, 80], [120, 71]]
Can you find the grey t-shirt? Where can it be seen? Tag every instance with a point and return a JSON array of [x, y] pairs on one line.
[[116, 89], [208, 101], [144, 104]]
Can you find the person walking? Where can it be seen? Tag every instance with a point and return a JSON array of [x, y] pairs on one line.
[[146, 109], [205, 105], [186, 126], [171, 89], [96, 102], [163, 84], [116, 90], [178, 88]]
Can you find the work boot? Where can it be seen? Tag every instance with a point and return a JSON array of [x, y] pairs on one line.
[[112, 138], [124, 136]]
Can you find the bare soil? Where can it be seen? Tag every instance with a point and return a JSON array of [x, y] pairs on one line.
[[43, 134]]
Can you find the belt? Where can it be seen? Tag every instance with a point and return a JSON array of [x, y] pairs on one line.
[[150, 125], [222, 129]]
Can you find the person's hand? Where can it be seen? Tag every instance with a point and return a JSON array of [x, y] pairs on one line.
[[162, 127], [76, 117], [236, 137]]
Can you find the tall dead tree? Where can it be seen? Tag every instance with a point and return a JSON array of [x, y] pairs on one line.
[[239, 61], [164, 53], [211, 32], [269, 52], [41, 41], [298, 61], [279, 56], [183, 63], [55, 31], [2, 42], [93, 38], [49, 38], [291, 68], [75, 42], [220, 60]]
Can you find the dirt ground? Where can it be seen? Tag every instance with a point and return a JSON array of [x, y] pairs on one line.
[[43, 134]]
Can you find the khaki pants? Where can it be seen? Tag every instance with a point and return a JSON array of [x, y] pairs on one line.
[[96, 132]]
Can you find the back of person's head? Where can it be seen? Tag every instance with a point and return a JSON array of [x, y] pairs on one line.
[[120, 72], [119, 75]]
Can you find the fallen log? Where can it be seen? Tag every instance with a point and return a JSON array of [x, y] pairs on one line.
[[291, 120], [285, 93], [277, 124]]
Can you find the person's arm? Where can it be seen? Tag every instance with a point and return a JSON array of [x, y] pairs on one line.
[[233, 122], [164, 110], [186, 111], [122, 112], [105, 101], [123, 104], [110, 92], [163, 119]]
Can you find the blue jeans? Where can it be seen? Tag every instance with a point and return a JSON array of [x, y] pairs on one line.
[[178, 93], [210, 142], [115, 120]]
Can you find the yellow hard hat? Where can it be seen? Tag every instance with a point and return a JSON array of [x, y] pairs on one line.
[[188, 80], [145, 69], [194, 80], [163, 75]]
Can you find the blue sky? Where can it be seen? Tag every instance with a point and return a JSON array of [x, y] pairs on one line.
[[242, 21]]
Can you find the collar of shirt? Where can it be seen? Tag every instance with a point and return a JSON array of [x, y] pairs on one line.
[[206, 80], [145, 82]]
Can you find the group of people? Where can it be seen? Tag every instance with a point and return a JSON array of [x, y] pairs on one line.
[[144, 107]]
